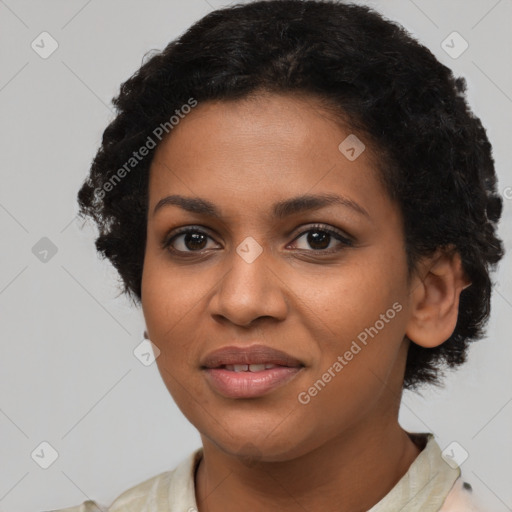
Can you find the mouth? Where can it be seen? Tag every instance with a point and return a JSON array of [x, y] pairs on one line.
[[249, 372], [250, 356], [247, 367]]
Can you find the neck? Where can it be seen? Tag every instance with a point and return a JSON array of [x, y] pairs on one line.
[[351, 472]]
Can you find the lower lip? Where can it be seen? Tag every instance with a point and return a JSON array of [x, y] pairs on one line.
[[233, 384]]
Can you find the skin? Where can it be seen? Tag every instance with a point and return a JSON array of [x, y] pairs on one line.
[[344, 450]]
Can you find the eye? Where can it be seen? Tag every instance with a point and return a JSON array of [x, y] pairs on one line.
[[319, 237], [189, 239]]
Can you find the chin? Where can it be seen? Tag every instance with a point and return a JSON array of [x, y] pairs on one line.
[[252, 444]]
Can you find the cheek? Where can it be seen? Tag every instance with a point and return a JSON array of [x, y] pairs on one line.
[[162, 306], [352, 297], [352, 375], [168, 295], [173, 300], [360, 315], [168, 302]]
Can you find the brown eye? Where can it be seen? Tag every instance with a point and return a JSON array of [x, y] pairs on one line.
[[187, 240], [319, 238]]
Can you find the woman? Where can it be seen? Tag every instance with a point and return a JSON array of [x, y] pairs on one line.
[[300, 199]]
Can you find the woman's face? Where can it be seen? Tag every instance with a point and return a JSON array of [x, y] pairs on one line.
[[327, 285]]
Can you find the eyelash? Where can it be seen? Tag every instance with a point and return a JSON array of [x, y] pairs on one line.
[[345, 241]]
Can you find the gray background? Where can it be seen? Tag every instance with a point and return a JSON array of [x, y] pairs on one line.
[[68, 375]]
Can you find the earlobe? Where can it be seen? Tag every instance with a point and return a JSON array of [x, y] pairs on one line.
[[435, 296]]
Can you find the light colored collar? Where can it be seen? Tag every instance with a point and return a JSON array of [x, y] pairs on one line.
[[426, 484], [423, 488]]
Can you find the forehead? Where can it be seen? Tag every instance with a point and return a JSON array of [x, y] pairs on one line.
[[261, 150]]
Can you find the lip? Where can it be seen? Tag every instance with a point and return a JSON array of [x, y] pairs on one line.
[[248, 384], [253, 354]]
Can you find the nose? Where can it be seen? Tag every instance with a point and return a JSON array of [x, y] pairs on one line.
[[250, 289]]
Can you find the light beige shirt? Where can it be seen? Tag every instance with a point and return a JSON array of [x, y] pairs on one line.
[[430, 485]]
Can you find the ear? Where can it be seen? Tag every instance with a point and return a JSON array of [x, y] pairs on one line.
[[434, 299]]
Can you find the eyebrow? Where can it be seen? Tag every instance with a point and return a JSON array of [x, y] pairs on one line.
[[280, 209]]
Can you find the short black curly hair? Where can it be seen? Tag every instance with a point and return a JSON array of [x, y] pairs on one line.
[[436, 160]]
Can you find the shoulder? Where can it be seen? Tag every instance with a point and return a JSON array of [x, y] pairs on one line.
[[86, 506], [158, 493], [131, 499], [461, 499]]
